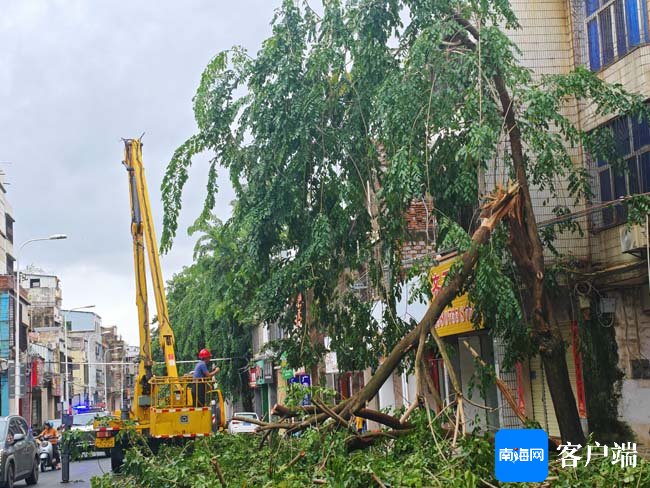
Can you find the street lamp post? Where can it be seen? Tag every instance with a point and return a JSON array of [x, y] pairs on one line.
[[106, 372], [66, 399], [54, 237]]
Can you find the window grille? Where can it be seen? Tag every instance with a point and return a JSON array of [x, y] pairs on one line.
[[614, 27], [632, 139]]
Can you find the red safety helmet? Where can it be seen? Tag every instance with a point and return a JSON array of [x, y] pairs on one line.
[[204, 354]]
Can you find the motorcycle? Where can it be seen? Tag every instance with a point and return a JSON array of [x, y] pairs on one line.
[[46, 454]]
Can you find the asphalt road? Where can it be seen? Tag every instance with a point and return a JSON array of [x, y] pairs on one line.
[[80, 474]]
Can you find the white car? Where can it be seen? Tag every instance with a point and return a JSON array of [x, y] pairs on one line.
[[238, 426]]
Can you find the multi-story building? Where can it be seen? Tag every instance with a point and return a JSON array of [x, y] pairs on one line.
[[114, 352], [264, 380], [87, 356], [7, 309], [45, 383], [131, 358], [44, 387], [45, 298], [606, 298]]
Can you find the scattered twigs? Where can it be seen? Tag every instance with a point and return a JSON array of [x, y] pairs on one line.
[[333, 415], [364, 440], [318, 481], [377, 480], [410, 410], [458, 407], [433, 432], [298, 456], [463, 422], [320, 412], [251, 420], [217, 469], [285, 411], [505, 390], [487, 483]]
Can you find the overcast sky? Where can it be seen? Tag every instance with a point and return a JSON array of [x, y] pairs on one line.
[[75, 77]]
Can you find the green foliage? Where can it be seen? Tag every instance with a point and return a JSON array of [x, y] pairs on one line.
[[413, 460], [207, 307], [397, 97], [602, 381], [80, 445], [638, 209]]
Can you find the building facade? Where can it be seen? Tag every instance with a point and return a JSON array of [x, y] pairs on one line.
[[44, 391], [605, 308], [114, 367], [7, 310], [87, 355]]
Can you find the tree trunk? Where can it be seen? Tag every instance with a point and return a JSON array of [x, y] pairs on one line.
[[528, 254], [553, 357]]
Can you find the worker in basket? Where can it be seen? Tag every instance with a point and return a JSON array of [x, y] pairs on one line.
[[201, 371]]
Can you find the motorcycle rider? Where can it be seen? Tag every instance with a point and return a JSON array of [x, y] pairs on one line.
[[50, 433]]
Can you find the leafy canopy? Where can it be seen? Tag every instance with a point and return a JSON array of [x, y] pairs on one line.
[[364, 102]]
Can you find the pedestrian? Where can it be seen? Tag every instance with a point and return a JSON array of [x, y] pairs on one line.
[[201, 371]]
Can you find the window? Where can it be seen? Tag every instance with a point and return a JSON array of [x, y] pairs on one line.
[[632, 139], [614, 27], [10, 264], [35, 283], [9, 229]]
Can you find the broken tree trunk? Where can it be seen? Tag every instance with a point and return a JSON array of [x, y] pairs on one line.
[[502, 204], [528, 254]]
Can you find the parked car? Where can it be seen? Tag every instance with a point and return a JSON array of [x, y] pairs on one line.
[[18, 452], [239, 426]]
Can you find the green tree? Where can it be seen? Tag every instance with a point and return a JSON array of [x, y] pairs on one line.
[[205, 306], [342, 118]]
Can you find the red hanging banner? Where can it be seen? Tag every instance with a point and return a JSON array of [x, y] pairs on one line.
[[577, 360], [34, 375]]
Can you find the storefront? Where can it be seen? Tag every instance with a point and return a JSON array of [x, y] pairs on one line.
[[526, 381]]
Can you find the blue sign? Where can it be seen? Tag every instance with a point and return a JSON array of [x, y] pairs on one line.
[[305, 380], [292, 381], [521, 455], [306, 400]]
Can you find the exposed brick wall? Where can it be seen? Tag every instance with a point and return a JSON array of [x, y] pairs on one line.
[[7, 283], [417, 250], [420, 218], [421, 228]]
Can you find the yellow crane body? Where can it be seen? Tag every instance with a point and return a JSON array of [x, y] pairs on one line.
[[163, 406]]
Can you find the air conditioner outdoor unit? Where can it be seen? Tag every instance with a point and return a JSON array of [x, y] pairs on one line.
[[634, 239]]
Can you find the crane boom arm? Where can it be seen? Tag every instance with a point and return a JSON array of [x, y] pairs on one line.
[[142, 225]]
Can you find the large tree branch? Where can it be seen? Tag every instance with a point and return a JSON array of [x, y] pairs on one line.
[[501, 204]]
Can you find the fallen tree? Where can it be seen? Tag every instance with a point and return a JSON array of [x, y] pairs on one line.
[[502, 204], [420, 456], [330, 132]]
